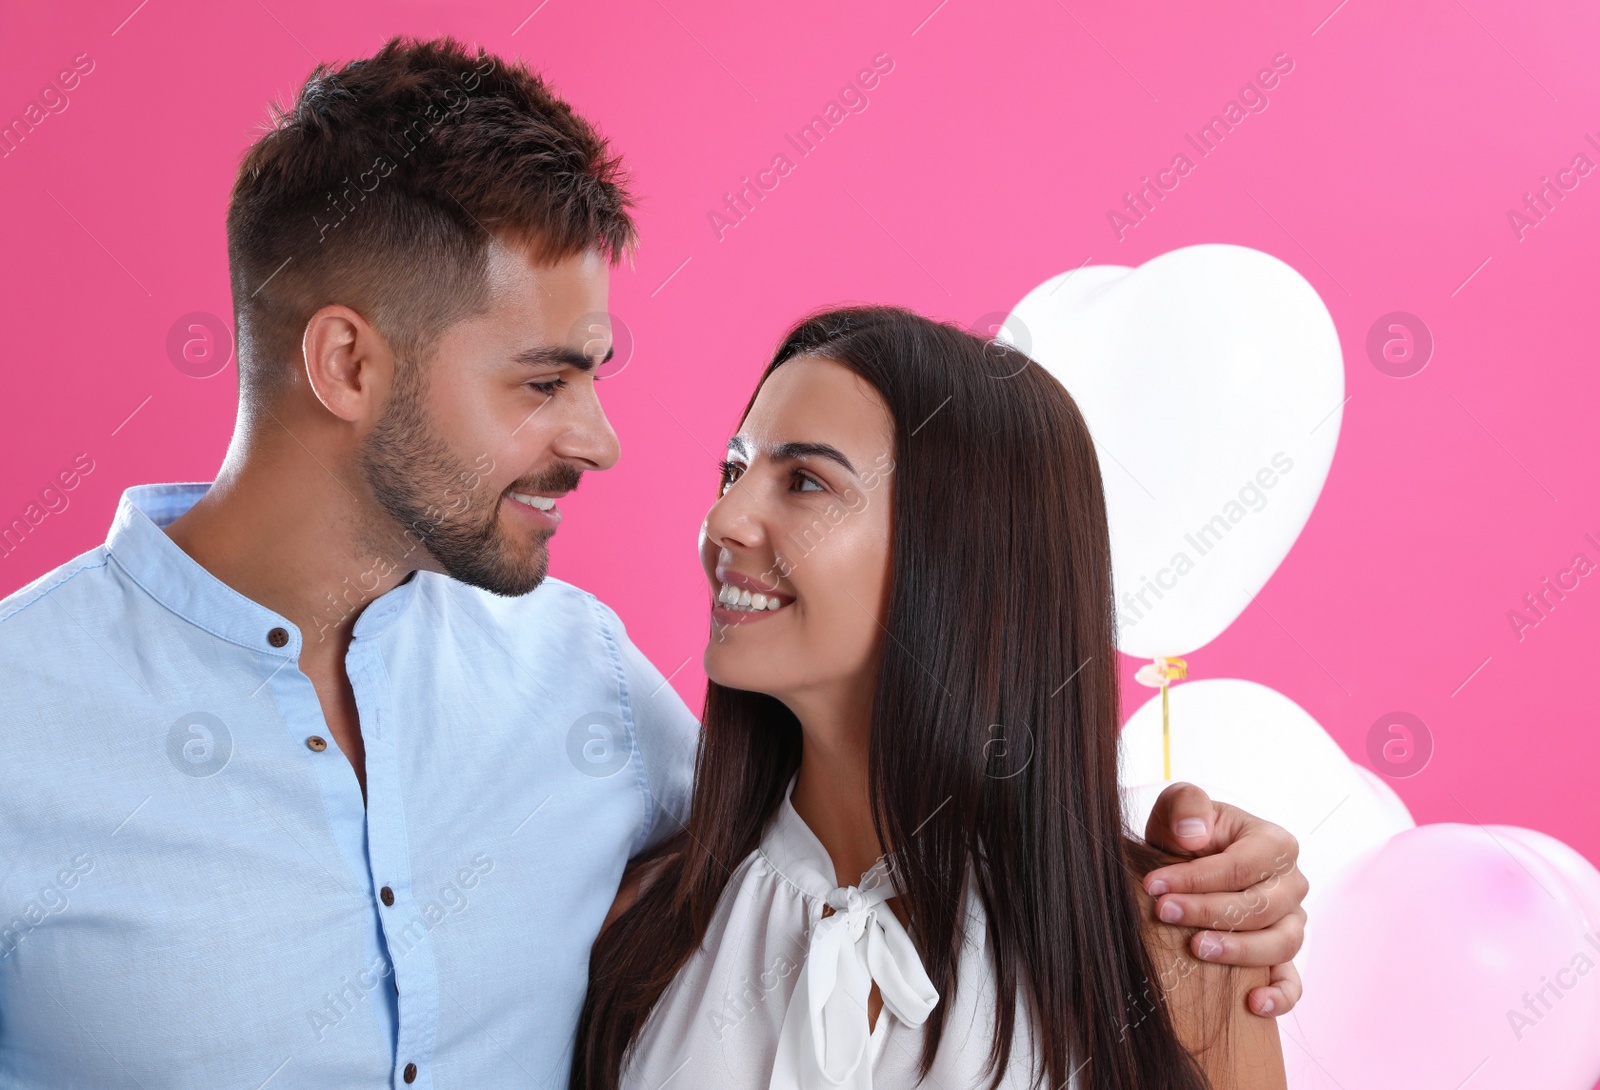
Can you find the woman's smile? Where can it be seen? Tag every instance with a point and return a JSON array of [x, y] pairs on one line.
[[742, 598]]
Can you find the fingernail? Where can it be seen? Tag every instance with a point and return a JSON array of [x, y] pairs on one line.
[[1158, 887], [1210, 946], [1170, 912], [1266, 1006], [1191, 827]]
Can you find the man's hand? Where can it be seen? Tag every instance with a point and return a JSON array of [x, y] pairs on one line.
[[1245, 888]]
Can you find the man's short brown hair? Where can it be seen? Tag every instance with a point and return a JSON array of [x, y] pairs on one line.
[[381, 187]]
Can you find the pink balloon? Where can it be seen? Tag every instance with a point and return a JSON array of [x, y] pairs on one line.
[[1572, 868], [1450, 957]]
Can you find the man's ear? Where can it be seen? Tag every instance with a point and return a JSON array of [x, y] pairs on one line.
[[348, 363]]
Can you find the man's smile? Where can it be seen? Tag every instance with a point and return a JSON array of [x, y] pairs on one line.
[[538, 507]]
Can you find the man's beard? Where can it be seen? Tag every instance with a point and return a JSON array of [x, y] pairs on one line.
[[443, 504]]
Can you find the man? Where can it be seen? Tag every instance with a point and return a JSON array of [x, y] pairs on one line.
[[312, 777]]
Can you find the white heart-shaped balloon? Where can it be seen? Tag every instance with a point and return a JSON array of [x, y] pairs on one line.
[[1253, 747], [1212, 381]]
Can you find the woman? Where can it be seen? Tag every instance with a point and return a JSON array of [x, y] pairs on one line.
[[912, 679]]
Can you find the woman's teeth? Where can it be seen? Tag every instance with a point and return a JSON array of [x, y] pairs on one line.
[[730, 597], [543, 503]]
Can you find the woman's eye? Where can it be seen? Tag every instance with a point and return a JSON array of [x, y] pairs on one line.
[[801, 480], [730, 473]]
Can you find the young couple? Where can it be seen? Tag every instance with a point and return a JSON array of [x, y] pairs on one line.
[[314, 779]]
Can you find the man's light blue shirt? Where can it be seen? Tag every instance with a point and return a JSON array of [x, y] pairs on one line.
[[192, 894]]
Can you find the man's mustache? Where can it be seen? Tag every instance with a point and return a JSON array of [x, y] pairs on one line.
[[563, 477]]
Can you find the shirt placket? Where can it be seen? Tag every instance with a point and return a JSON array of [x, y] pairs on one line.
[[405, 931]]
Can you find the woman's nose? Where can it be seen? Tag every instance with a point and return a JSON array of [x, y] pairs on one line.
[[734, 518]]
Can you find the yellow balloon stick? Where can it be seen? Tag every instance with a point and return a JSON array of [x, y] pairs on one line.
[[1166, 738], [1162, 672]]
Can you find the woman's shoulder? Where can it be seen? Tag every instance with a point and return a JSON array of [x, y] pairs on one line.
[[1205, 1000], [642, 872], [753, 876]]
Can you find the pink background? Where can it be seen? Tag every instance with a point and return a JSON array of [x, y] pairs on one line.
[[1383, 170]]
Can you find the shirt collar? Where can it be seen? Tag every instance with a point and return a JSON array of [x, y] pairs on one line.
[[140, 546]]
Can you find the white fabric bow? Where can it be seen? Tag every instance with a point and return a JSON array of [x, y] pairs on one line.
[[823, 1043]]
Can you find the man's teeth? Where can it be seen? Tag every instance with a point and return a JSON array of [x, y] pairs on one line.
[[731, 597], [543, 503]]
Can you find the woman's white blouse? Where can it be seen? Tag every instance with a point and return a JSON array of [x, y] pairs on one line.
[[776, 996]]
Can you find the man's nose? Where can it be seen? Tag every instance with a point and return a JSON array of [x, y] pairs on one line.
[[589, 437]]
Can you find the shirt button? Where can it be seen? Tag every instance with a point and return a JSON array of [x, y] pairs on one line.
[[278, 637], [386, 895], [317, 743], [411, 1073]]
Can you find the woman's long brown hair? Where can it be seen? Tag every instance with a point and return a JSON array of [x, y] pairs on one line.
[[994, 727]]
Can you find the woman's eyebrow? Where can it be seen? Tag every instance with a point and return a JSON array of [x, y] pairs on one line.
[[794, 451], [789, 451]]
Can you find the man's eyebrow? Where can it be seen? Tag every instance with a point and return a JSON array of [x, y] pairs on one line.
[[545, 355], [796, 450]]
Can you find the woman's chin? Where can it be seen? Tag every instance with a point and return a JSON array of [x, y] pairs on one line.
[[720, 670], [724, 667]]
